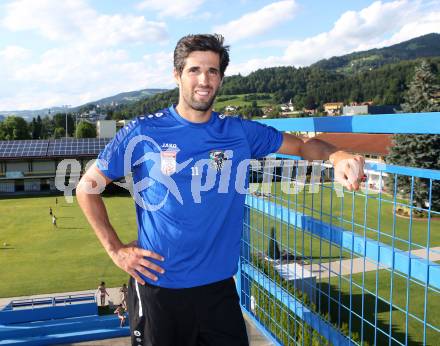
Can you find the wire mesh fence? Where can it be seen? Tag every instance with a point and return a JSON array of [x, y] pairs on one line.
[[323, 265]]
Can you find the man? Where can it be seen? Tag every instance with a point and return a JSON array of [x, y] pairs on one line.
[[102, 291], [123, 291], [189, 212]]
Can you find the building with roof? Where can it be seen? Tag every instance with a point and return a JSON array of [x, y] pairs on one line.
[[106, 128], [372, 146], [30, 165], [368, 109], [333, 108]]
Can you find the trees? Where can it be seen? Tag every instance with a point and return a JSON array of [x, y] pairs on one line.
[[423, 93], [250, 111], [59, 132], [36, 128], [59, 120], [47, 127], [421, 151], [85, 130], [13, 128]]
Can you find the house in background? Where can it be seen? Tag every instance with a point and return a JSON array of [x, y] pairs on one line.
[[374, 147], [333, 108], [369, 109], [105, 128]]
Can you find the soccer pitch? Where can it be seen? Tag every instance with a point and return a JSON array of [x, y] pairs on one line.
[[39, 258]]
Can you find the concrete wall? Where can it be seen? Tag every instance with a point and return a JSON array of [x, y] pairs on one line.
[[355, 110]]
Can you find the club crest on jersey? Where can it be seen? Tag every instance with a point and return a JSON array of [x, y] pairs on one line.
[[168, 157], [168, 162], [218, 158]]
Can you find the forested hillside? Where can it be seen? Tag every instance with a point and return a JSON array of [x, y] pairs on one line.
[[378, 75], [306, 86]]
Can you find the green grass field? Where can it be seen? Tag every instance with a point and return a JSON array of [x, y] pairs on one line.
[[383, 319], [42, 259], [371, 215], [238, 101], [367, 215]]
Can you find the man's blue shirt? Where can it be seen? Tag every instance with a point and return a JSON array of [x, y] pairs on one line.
[[188, 183]]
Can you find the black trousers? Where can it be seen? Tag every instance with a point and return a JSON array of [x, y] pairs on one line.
[[203, 315]]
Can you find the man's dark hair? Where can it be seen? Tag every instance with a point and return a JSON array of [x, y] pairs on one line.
[[206, 42]]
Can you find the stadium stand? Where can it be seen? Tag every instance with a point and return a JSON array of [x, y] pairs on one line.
[[56, 320]]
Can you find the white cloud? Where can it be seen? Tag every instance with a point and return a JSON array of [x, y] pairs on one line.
[[51, 19], [171, 8], [429, 24], [267, 44], [377, 25], [74, 20], [258, 22], [112, 30], [89, 59], [14, 54], [76, 75]]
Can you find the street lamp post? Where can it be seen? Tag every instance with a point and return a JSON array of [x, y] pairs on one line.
[[65, 113]]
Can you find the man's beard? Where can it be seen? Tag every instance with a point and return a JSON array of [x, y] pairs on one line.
[[199, 105]]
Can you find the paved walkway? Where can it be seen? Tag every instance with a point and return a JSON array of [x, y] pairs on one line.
[[345, 267]]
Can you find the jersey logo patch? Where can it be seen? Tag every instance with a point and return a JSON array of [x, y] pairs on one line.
[[168, 156], [168, 162], [218, 158]]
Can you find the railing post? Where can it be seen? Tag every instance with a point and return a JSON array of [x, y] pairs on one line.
[[245, 292]]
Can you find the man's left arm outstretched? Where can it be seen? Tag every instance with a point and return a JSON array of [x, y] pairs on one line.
[[349, 168]]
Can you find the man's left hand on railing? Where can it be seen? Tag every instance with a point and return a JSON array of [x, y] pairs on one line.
[[349, 169]]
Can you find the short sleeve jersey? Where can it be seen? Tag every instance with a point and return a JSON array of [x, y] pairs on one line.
[[189, 181]]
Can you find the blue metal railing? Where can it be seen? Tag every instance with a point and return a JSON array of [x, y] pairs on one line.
[[322, 265], [50, 301]]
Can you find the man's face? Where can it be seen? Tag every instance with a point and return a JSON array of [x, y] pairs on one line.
[[199, 80]]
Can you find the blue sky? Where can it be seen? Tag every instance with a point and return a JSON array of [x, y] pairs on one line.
[[55, 53]]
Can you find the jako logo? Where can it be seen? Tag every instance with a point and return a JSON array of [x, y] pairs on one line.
[[169, 145]]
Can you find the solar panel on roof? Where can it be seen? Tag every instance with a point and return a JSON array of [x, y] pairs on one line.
[[48, 148], [23, 148], [77, 147]]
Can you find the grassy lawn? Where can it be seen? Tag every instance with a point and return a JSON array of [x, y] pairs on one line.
[[375, 219], [42, 259], [369, 215], [379, 300], [238, 100]]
